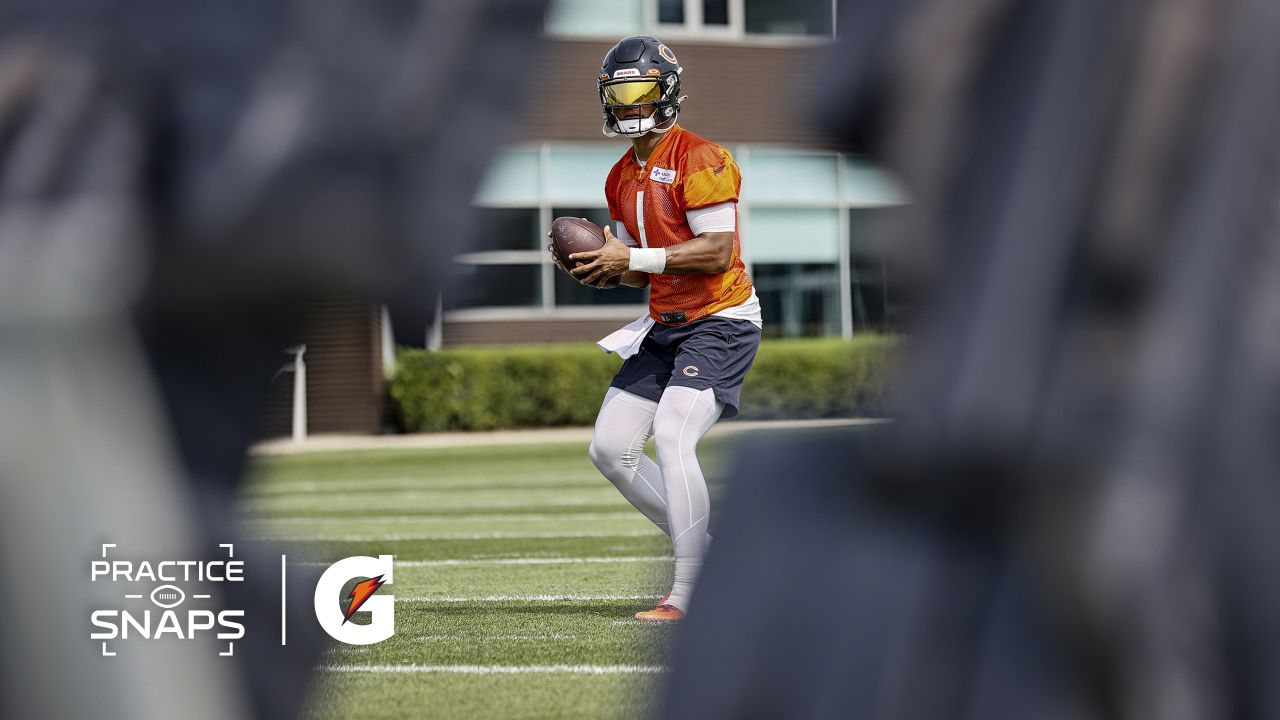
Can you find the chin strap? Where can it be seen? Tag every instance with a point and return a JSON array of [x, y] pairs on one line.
[[610, 132], [610, 128]]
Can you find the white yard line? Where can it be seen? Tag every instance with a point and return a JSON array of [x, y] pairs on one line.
[[525, 598], [460, 536], [519, 561], [458, 501], [554, 637], [328, 499], [366, 520], [506, 638], [500, 669], [381, 485]]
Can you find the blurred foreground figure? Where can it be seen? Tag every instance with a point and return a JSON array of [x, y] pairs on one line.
[[176, 180], [1073, 516]]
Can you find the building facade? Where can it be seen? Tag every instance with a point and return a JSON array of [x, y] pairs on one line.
[[752, 71], [753, 68]]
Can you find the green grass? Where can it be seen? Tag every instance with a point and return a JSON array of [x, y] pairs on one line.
[[484, 507]]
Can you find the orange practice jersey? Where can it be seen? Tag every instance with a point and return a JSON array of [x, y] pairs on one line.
[[685, 172]]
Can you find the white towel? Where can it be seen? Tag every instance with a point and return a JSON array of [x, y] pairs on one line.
[[625, 341]]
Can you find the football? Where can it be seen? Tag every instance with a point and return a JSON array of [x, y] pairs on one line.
[[571, 235]]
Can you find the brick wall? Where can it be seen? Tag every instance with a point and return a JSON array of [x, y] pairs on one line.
[[737, 93], [345, 388]]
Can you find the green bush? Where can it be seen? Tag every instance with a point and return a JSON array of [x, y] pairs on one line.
[[819, 378], [547, 385]]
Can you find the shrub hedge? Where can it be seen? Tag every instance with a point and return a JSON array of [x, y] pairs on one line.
[[546, 385]]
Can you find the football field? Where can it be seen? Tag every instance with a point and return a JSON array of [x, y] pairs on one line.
[[517, 572]]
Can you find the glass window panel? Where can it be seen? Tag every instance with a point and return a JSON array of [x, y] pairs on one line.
[[715, 12], [792, 235], [781, 176], [876, 303], [493, 286], [798, 299], [511, 179], [616, 18], [868, 186], [505, 229], [576, 174], [671, 11], [570, 292], [788, 17]]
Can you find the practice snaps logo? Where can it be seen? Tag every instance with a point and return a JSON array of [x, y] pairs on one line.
[[361, 598], [170, 599], [165, 616]]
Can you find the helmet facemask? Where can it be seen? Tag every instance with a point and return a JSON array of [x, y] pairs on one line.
[[631, 93]]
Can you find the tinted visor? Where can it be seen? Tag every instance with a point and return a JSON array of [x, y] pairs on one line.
[[632, 92]]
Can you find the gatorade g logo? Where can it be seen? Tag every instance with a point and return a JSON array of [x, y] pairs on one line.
[[382, 607]]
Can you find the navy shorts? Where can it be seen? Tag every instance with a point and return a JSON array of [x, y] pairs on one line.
[[713, 353]]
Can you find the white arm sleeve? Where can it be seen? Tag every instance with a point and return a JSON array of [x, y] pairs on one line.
[[721, 217], [624, 236]]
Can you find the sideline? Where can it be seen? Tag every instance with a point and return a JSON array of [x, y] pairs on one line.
[[500, 669]]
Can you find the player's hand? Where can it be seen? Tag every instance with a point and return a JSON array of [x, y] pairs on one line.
[[612, 259], [551, 249], [554, 257]]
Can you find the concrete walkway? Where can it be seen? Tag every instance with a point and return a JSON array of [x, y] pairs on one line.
[[539, 436]]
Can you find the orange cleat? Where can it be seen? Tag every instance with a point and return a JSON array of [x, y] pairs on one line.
[[662, 613]]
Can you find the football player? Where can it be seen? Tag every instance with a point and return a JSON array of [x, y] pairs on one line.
[[673, 196]]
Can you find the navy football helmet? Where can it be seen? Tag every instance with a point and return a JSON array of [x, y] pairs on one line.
[[639, 72]]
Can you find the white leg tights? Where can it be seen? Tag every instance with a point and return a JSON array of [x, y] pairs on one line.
[[684, 415], [623, 427], [674, 497]]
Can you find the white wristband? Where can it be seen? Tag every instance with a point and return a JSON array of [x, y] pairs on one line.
[[648, 260]]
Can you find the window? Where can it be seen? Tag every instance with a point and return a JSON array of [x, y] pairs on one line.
[[788, 17], [738, 18], [792, 235], [876, 303], [570, 292], [810, 224], [592, 18], [671, 12], [472, 285], [868, 291], [715, 12], [502, 262], [798, 299], [505, 229], [673, 18]]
